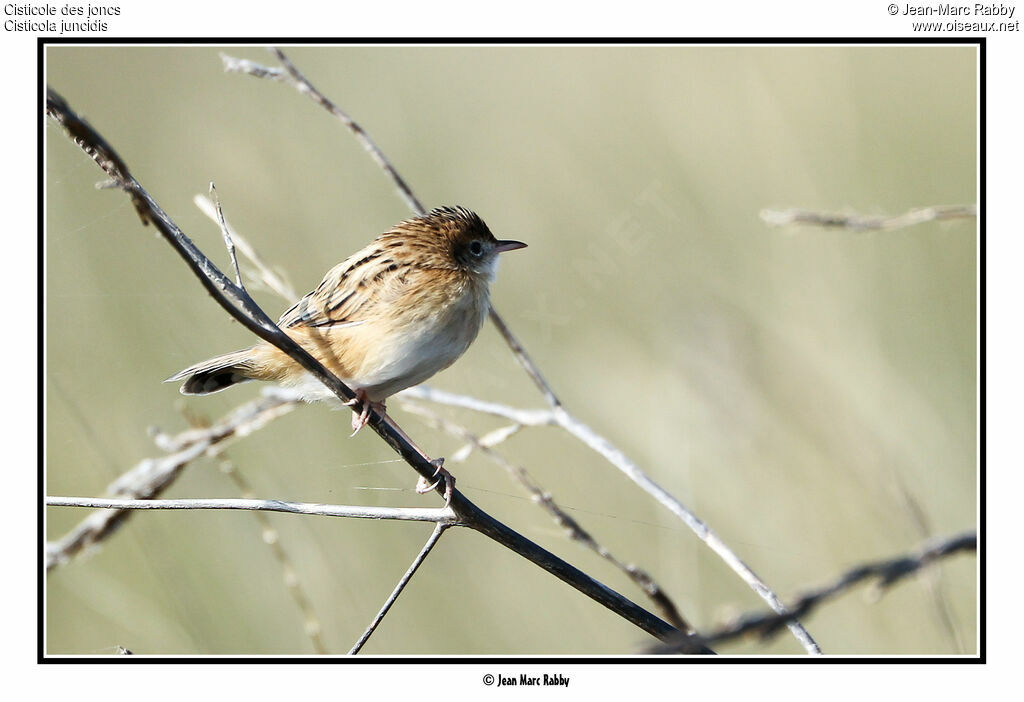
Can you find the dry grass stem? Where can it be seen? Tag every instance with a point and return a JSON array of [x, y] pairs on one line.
[[781, 218]]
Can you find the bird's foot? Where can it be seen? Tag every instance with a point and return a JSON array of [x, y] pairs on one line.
[[422, 486], [362, 418]]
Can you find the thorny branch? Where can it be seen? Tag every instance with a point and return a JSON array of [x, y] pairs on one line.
[[560, 415], [887, 573], [236, 301]]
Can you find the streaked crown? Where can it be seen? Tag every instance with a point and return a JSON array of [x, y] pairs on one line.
[[450, 238]]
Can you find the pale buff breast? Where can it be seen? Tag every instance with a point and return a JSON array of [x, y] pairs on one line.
[[412, 350]]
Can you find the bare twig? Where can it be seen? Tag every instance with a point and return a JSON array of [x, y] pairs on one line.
[[781, 218], [152, 476], [293, 77], [266, 275], [524, 417], [442, 515], [434, 536], [243, 308], [488, 440], [228, 243], [887, 573], [562, 417]]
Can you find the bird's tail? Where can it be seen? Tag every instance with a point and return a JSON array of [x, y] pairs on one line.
[[216, 374]]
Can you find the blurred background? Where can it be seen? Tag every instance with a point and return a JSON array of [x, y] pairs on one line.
[[811, 394]]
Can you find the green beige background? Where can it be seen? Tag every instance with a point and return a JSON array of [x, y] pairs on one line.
[[811, 394]]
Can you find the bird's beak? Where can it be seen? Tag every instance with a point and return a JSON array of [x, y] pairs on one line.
[[509, 245]]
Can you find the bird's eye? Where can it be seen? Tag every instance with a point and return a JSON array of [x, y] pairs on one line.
[[476, 248]]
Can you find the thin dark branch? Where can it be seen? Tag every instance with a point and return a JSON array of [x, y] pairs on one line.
[[293, 77], [887, 573], [434, 536], [238, 303]]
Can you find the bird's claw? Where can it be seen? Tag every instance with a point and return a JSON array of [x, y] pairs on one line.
[[440, 473], [361, 419]]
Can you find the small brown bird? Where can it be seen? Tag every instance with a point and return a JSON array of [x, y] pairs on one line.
[[387, 318]]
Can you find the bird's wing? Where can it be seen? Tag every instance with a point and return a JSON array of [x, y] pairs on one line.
[[349, 292]]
